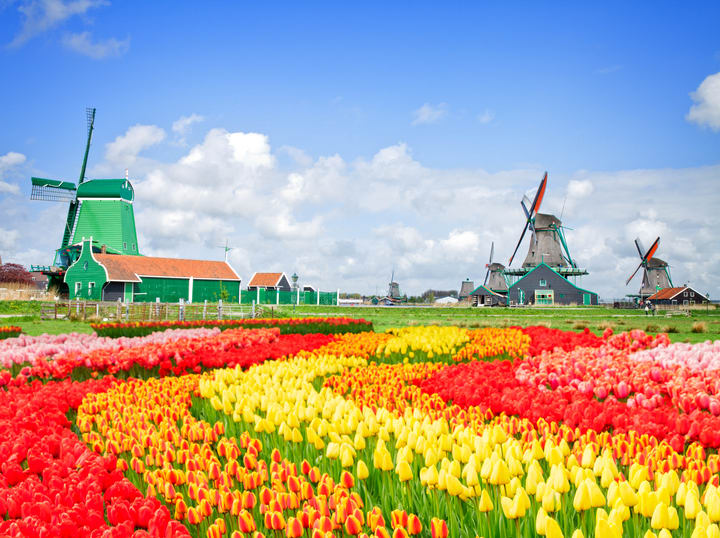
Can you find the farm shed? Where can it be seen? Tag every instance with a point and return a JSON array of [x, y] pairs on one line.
[[683, 296], [109, 277], [269, 281], [545, 286], [484, 296]]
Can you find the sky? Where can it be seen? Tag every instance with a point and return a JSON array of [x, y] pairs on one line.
[[341, 141]]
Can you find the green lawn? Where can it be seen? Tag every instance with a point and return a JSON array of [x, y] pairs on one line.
[[680, 328]]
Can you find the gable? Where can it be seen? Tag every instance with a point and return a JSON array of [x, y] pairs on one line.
[[545, 271], [266, 280]]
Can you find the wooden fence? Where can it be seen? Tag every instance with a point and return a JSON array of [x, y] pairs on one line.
[[117, 311]]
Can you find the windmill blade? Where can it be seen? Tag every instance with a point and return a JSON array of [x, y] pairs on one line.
[[640, 248], [522, 235], [651, 251], [492, 251], [539, 196], [487, 274], [634, 273]]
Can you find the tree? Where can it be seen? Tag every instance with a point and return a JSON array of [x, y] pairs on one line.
[[13, 272]]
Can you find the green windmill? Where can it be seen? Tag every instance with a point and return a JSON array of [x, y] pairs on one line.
[[101, 209]]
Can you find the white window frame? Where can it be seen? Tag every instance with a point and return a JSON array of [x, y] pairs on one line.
[[543, 282], [78, 287], [91, 288]]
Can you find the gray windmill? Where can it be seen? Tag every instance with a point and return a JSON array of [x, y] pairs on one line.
[[656, 272], [495, 274], [547, 243]]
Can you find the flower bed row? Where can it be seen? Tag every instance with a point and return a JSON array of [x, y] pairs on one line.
[[286, 326], [27, 350], [235, 347], [9, 331]]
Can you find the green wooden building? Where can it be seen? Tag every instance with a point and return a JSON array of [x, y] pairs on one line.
[[98, 275]]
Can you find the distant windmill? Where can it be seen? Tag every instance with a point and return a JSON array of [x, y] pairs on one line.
[[656, 273], [393, 287], [226, 248], [495, 271]]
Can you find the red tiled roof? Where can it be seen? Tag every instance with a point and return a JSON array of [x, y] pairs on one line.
[[265, 280], [666, 293], [128, 268]]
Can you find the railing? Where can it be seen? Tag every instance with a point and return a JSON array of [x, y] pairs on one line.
[[118, 311]]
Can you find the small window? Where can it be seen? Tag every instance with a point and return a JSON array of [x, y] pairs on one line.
[[685, 303], [543, 282], [133, 247], [692, 302], [78, 287], [124, 246], [692, 294], [684, 294], [91, 288]]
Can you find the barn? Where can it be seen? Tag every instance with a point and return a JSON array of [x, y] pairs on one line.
[[545, 286], [269, 281], [484, 296], [684, 296], [100, 276]]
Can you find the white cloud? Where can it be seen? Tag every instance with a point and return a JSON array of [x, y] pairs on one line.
[[486, 117], [429, 114], [580, 188], [346, 223], [8, 239], [706, 110], [125, 148], [42, 15], [181, 126], [7, 162], [83, 43]]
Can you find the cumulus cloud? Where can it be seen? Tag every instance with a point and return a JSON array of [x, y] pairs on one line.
[[706, 110], [428, 113], [125, 148], [84, 44], [486, 117], [9, 161], [41, 15], [345, 223], [182, 125]]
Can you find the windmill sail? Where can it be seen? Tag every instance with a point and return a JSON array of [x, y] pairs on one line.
[[531, 211], [489, 263], [645, 256]]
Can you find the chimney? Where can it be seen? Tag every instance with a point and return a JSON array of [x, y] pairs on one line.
[[103, 249]]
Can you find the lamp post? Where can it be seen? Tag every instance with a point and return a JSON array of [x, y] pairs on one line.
[[295, 289]]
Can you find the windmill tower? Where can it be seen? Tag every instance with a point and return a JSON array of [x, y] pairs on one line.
[[393, 287], [98, 208], [656, 272], [547, 242], [495, 274]]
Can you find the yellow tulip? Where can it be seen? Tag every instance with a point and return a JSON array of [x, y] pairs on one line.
[[454, 487], [540, 520], [552, 528], [581, 501], [362, 471], [500, 473], [692, 506], [660, 518], [404, 471], [485, 504]]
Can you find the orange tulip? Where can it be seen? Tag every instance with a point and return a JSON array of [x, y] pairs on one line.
[[414, 526], [347, 479], [294, 528], [246, 523], [375, 519], [352, 525], [438, 528], [382, 532], [398, 518]]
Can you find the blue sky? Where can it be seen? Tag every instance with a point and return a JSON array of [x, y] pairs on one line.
[[372, 135]]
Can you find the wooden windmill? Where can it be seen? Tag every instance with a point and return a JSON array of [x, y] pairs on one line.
[[495, 274], [656, 272], [547, 243]]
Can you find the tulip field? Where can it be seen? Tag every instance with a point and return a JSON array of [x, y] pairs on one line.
[[267, 429]]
